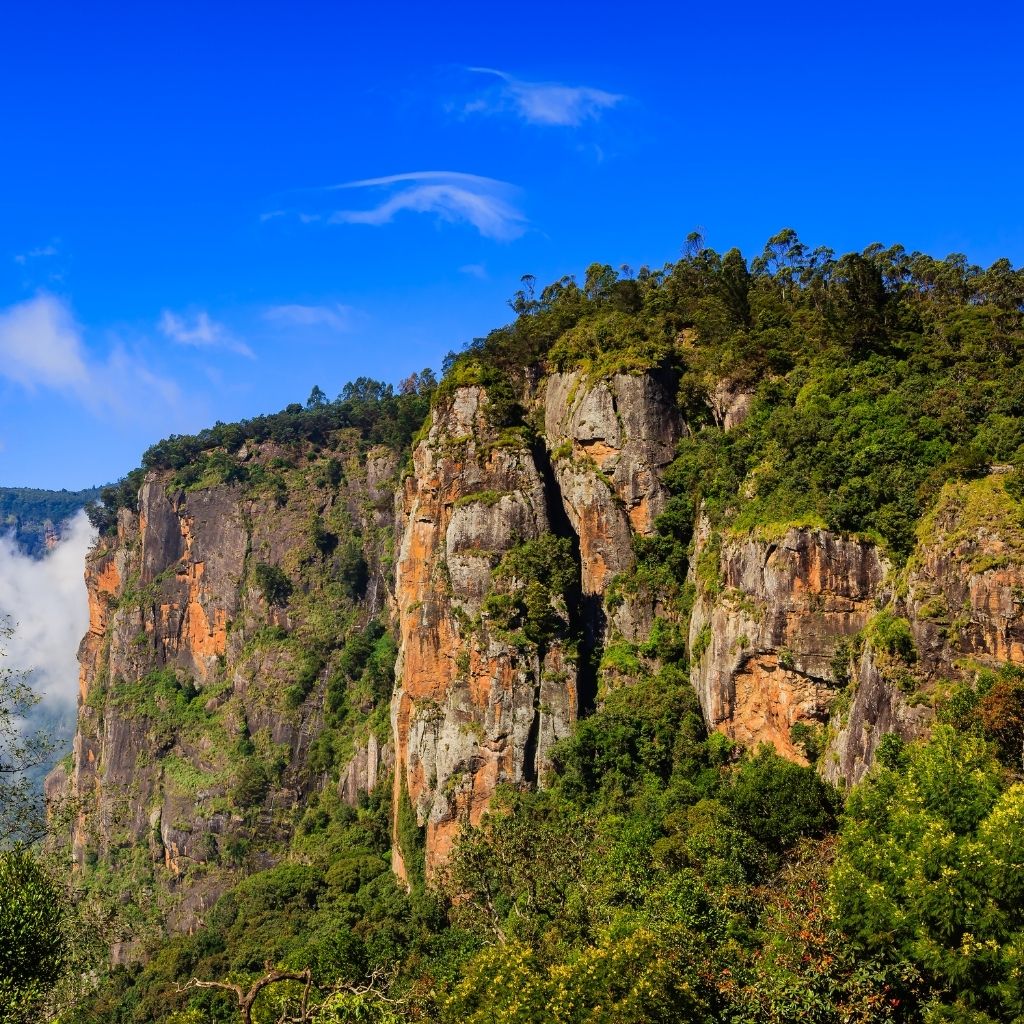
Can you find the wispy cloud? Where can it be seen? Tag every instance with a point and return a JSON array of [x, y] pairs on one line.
[[477, 270], [202, 332], [42, 347], [334, 317], [486, 204], [544, 103], [34, 254]]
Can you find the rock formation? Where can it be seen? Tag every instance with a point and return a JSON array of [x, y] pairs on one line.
[[767, 624], [201, 691], [781, 639], [224, 679], [474, 704]]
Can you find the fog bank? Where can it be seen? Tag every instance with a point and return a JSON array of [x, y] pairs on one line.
[[46, 602]]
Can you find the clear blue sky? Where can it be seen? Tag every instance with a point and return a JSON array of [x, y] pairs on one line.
[[173, 250]]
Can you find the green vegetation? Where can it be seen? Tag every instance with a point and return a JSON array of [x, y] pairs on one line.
[[926, 875], [876, 376], [23, 749], [371, 409], [32, 941], [485, 498], [663, 874], [892, 636], [965, 508], [531, 581], [32, 515], [273, 583]]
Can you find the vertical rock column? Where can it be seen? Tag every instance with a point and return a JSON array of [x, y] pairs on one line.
[[474, 706], [609, 442]]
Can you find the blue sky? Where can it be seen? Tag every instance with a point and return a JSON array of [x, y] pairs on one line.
[[208, 208]]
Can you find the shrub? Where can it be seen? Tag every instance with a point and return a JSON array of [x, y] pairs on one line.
[[251, 784], [893, 635], [779, 802], [273, 583], [922, 873]]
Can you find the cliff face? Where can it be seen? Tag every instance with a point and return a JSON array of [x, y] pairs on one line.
[[475, 704], [608, 443], [217, 616], [767, 624], [965, 585], [815, 644], [479, 702], [244, 622]]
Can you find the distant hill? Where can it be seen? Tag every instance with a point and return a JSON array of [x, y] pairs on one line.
[[36, 515]]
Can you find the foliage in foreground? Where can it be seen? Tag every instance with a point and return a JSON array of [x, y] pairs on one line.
[[32, 941]]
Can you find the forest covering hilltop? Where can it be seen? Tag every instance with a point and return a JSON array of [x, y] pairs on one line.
[[35, 516], [664, 661]]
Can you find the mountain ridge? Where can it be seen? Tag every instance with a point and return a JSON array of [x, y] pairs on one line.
[[715, 527]]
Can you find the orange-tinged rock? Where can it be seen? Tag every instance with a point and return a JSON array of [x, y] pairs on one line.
[[764, 636], [467, 713]]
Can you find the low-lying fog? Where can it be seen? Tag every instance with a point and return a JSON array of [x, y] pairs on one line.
[[45, 602]]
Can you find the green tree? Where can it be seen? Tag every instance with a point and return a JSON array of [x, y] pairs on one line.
[[32, 944], [929, 872], [273, 583], [21, 750], [497, 884], [779, 802]]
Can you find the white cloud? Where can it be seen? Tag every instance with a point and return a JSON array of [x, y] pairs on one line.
[[484, 203], [335, 317], [477, 270], [201, 333], [46, 602], [546, 103], [41, 346]]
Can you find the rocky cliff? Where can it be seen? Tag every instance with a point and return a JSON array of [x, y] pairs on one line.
[[244, 622], [769, 620], [219, 618], [814, 643], [510, 540]]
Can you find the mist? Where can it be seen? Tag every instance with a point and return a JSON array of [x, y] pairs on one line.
[[45, 602]]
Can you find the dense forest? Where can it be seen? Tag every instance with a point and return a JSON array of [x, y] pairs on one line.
[[35, 517], [660, 872]]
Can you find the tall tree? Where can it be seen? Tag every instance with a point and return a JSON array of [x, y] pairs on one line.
[[21, 749]]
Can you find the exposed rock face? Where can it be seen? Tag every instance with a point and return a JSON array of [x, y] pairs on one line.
[[965, 588], [878, 708], [193, 737], [219, 614], [772, 624], [730, 404], [473, 707], [609, 443], [370, 765], [767, 622], [476, 707], [964, 585]]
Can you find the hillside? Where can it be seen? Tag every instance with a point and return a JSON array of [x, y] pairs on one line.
[[35, 517], [663, 662]]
